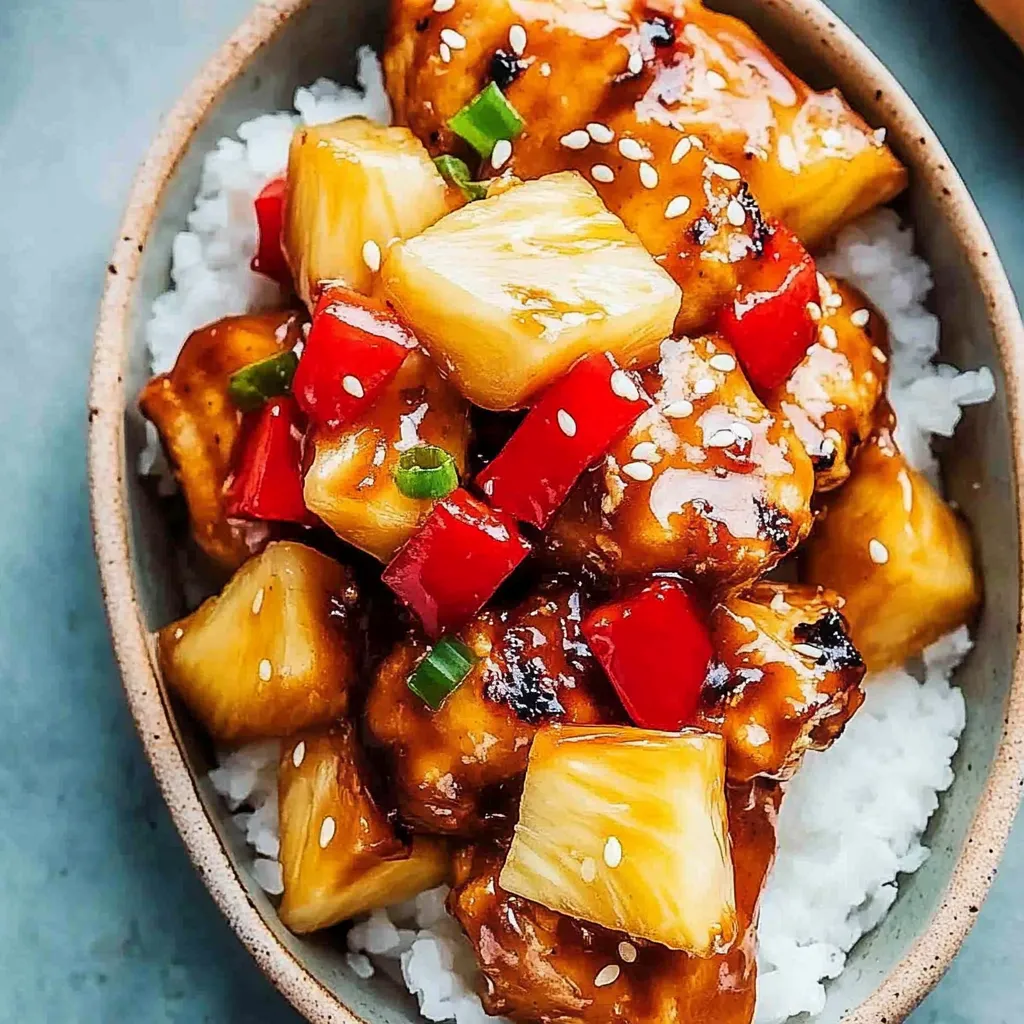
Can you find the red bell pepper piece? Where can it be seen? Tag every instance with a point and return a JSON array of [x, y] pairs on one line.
[[768, 323], [268, 481], [655, 648], [354, 349], [269, 259], [447, 571], [574, 422]]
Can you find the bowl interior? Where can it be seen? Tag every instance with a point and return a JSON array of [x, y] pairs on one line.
[[321, 39]]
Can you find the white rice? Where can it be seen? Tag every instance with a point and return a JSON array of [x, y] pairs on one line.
[[853, 817]]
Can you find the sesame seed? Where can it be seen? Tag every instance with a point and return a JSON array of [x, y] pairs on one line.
[[676, 207], [179, 633], [823, 286], [742, 431], [600, 132], [735, 214], [646, 451], [715, 80], [517, 39], [612, 852], [624, 387], [828, 446], [829, 336], [878, 551], [704, 386], [545, 69], [636, 62], [696, 142], [725, 171], [860, 317], [632, 150], [352, 385], [501, 153], [682, 148], [627, 952], [648, 175], [578, 139], [878, 135], [879, 354], [834, 301], [456, 40], [814, 311], [808, 651], [723, 438], [678, 410], [722, 361], [778, 604], [265, 669], [638, 471], [443, 6], [602, 172], [446, 53], [275, 411], [588, 869], [607, 976], [327, 830], [299, 753], [488, 487], [566, 423], [371, 254], [257, 602]]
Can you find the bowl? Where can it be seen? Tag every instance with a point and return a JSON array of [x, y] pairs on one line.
[[286, 43]]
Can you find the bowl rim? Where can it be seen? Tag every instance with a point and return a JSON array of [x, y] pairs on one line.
[[914, 975]]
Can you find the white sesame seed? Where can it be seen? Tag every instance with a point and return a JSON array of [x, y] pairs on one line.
[[607, 976], [829, 336], [828, 447], [879, 354], [676, 207], [723, 438], [808, 651], [443, 6], [517, 39], [735, 214], [275, 411], [501, 153], [578, 139], [645, 451], [456, 40], [612, 852], [648, 175], [860, 317], [715, 80], [636, 62], [641, 471], [682, 148], [299, 753], [627, 952], [265, 669], [778, 604], [632, 150], [352, 385], [545, 69], [327, 830], [704, 386], [566, 423], [446, 53], [257, 602], [696, 142], [488, 487], [678, 410], [814, 311], [722, 361], [878, 551], [623, 385], [371, 255], [742, 431], [179, 633], [588, 869], [878, 135], [834, 301], [600, 132], [602, 172], [823, 286], [725, 171]]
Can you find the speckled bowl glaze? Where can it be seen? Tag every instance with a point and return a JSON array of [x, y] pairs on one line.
[[285, 43]]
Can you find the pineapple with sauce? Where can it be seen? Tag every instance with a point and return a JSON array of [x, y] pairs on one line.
[[340, 855], [272, 653]]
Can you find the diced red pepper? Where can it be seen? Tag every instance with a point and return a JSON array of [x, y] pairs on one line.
[[654, 646], [574, 422], [269, 259], [354, 349], [268, 481], [447, 571], [767, 322]]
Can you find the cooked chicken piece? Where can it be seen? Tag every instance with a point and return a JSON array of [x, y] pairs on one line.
[[272, 653], [350, 483], [541, 966], [708, 482], [199, 423], [786, 678], [901, 557], [340, 855], [835, 397], [449, 766]]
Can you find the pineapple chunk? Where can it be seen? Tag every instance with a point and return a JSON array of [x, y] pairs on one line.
[[627, 828], [353, 188], [351, 484], [199, 424], [339, 854], [507, 292], [897, 552], [272, 653]]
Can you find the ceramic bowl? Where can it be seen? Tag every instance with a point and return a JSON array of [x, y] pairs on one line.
[[285, 43]]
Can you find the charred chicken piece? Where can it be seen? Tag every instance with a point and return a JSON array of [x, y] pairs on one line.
[[449, 766], [199, 424], [786, 678], [708, 482]]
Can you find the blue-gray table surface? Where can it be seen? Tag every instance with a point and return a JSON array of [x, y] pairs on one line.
[[101, 915]]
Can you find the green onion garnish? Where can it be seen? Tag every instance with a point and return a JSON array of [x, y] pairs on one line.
[[252, 385], [426, 471], [485, 119], [441, 671], [455, 170]]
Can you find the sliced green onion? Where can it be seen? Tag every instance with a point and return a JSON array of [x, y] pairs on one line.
[[252, 385], [441, 671], [455, 170], [485, 119], [426, 471]]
